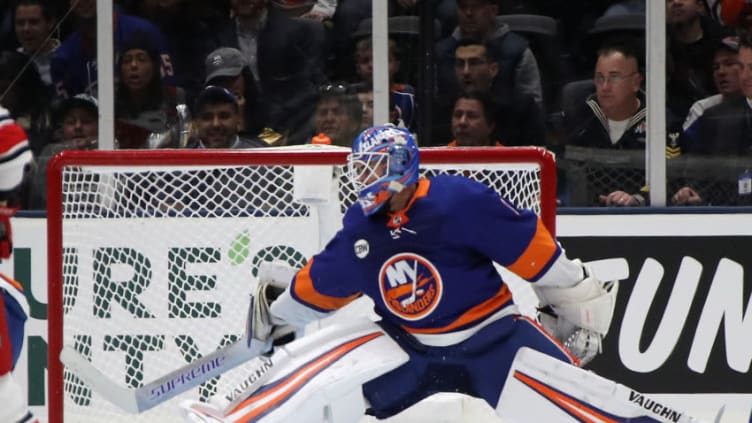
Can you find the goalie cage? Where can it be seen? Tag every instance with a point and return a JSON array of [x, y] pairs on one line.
[[152, 254]]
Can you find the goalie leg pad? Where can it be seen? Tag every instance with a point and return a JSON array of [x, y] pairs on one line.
[[558, 391], [13, 400]]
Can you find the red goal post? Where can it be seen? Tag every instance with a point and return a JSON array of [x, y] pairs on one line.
[[151, 253]]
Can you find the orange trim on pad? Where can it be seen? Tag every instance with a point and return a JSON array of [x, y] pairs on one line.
[[294, 381], [577, 409]]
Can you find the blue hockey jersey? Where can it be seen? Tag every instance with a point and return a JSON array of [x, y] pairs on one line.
[[429, 268]]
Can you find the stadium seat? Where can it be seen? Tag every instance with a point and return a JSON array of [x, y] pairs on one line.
[[530, 24], [574, 93], [541, 32]]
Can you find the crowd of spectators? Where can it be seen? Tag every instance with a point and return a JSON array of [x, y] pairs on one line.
[[254, 73]]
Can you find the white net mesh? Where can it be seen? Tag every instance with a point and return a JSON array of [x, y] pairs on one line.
[[158, 261]]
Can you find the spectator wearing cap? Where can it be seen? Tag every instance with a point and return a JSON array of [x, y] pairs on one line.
[[725, 129], [74, 64], [34, 23], [77, 128], [217, 120], [77, 118], [145, 108], [519, 73], [726, 72], [286, 55], [226, 67]]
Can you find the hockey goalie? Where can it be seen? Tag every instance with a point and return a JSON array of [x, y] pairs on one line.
[[15, 157], [423, 250]]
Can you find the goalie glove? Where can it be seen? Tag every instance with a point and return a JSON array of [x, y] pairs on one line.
[[273, 279], [579, 316]]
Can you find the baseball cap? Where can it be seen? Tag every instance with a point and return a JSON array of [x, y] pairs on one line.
[[224, 61], [84, 101], [730, 43], [214, 95]]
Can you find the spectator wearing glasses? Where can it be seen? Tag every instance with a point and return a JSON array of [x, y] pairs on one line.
[[518, 70], [518, 119], [615, 116]]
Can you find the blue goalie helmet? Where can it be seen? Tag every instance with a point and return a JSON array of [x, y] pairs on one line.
[[384, 160]]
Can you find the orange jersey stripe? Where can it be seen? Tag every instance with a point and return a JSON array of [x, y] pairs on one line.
[[12, 282], [475, 314], [578, 409], [304, 289], [537, 254], [281, 392]]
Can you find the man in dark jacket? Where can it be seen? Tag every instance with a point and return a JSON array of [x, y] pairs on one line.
[[286, 55], [519, 120], [518, 68]]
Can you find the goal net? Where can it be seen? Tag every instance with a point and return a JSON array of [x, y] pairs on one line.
[[153, 254]]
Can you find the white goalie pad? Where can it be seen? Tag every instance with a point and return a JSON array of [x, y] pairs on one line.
[[314, 379], [12, 399], [588, 304], [276, 273], [540, 388]]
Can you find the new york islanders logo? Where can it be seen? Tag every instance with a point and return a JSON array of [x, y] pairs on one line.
[[410, 286]]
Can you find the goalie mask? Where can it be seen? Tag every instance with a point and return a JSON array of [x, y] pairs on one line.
[[383, 161]]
